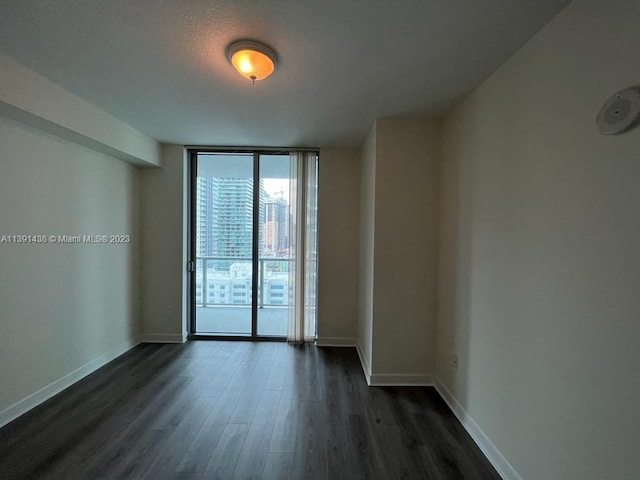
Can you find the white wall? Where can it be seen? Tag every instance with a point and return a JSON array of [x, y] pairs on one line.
[[338, 219], [539, 259], [398, 237], [163, 253], [404, 289], [65, 309], [366, 236], [33, 100]]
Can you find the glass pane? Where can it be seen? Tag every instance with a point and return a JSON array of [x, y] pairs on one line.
[[273, 249], [311, 246], [224, 243]]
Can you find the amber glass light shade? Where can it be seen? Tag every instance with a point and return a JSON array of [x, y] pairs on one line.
[[252, 60]]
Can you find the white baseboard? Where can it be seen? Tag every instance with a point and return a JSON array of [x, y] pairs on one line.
[[164, 338], [391, 379], [504, 468], [335, 342], [36, 398], [399, 380], [366, 368]]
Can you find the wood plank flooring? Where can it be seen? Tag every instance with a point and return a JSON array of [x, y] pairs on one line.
[[239, 410]]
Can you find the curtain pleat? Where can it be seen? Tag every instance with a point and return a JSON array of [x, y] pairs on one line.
[[303, 216]]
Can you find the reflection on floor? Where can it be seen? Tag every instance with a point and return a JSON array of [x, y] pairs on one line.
[[238, 410]]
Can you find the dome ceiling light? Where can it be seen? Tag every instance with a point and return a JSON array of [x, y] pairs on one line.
[[252, 60]]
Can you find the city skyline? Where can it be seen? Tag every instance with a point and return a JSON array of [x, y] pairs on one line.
[[224, 217]]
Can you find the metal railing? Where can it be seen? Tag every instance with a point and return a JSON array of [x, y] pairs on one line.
[[203, 264]]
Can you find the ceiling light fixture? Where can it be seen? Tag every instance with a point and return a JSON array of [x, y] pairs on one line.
[[252, 60]]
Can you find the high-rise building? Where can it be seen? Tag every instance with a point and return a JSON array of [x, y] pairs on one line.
[[225, 216], [275, 227], [202, 245]]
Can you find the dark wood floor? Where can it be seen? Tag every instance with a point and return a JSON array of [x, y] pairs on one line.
[[227, 410]]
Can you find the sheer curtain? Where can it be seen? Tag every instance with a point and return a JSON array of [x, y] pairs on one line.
[[303, 234]]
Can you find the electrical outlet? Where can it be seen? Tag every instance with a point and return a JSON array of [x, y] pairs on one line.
[[169, 310], [455, 362]]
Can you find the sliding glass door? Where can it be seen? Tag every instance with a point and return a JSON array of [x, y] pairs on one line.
[[224, 242], [241, 256], [273, 249]]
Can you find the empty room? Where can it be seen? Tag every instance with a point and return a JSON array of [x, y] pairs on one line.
[[320, 239]]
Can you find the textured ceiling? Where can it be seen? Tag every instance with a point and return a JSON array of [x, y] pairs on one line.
[[159, 65]]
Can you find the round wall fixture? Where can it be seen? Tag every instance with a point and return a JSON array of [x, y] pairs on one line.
[[252, 60], [620, 112]]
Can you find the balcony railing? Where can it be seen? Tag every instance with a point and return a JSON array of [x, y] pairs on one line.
[[236, 271]]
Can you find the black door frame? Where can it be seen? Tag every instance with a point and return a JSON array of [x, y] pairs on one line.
[[191, 244]]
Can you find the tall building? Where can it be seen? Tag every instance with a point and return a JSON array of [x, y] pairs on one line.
[[275, 227], [225, 216], [202, 246]]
